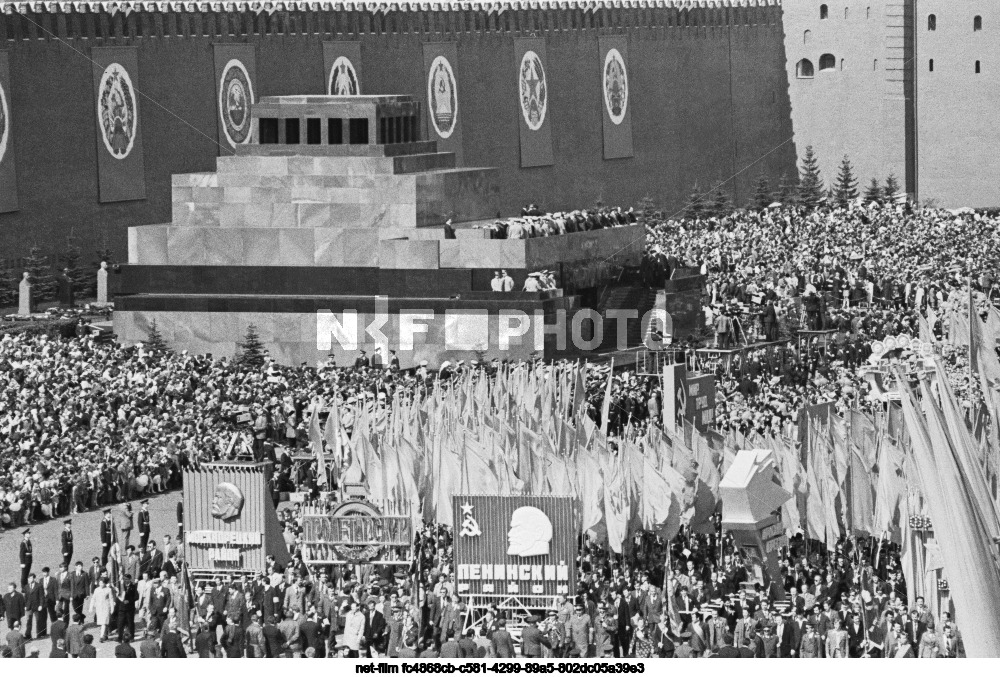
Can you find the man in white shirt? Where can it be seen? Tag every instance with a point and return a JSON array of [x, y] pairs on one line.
[[496, 284], [507, 282]]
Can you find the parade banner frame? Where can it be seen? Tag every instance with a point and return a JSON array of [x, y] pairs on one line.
[[8, 164], [356, 531], [333, 52]]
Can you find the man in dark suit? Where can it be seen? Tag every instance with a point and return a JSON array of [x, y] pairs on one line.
[[623, 639], [106, 531], [57, 632], [126, 601], [88, 650], [67, 542], [914, 629], [65, 584], [26, 557], [50, 593], [94, 574], [143, 525], [234, 639], [503, 644], [532, 639], [727, 650], [159, 606], [155, 563], [13, 606], [173, 646], [34, 601], [784, 635], [467, 645], [272, 638], [148, 648], [309, 632]]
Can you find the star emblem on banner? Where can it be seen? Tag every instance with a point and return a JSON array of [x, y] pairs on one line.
[[470, 527]]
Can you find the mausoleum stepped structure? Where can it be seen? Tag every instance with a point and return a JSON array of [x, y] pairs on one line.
[[337, 208]]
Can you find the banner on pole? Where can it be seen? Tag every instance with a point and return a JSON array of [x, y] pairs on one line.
[[342, 65], [533, 102], [235, 74], [444, 123], [615, 95]]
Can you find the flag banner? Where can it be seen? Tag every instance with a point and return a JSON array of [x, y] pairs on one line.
[[615, 95], [443, 122], [342, 65], [533, 102], [235, 74], [8, 170], [120, 169]]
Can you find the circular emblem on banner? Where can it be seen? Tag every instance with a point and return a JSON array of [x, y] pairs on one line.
[[442, 97], [343, 78], [615, 86], [4, 123], [360, 552], [534, 90], [235, 98], [117, 111]]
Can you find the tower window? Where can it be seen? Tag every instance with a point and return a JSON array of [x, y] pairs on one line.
[[931, 65], [977, 23], [932, 22], [824, 12], [806, 36], [875, 65], [845, 14], [827, 62], [978, 68], [804, 69], [868, 12]]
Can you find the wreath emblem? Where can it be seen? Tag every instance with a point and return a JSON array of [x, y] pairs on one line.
[[117, 112], [235, 99]]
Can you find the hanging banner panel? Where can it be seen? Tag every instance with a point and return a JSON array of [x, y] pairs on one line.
[[616, 97], [8, 171], [235, 74], [533, 102], [342, 65], [444, 123], [120, 168]]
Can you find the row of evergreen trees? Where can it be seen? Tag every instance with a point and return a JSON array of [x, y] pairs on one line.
[[252, 352], [43, 272], [807, 189]]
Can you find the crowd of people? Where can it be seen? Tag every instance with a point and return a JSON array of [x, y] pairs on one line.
[[86, 425]]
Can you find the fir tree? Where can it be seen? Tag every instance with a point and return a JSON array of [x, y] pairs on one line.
[[761, 193], [874, 192], [846, 190], [892, 188], [252, 350], [695, 207], [719, 206], [69, 260], [42, 281], [787, 193], [647, 208], [810, 184], [8, 287], [154, 340]]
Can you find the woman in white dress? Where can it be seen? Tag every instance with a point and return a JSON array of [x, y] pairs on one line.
[[102, 604]]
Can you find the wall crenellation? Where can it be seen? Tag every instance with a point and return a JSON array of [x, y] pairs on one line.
[[128, 21]]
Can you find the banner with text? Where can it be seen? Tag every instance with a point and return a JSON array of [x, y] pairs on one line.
[[8, 171], [342, 65], [235, 74], [533, 102], [443, 122], [515, 546], [120, 168], [615, 95]]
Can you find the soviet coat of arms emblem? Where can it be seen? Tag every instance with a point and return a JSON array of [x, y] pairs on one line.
[[615, 86], [235, 99], [442, 97], [534, 90], [117, 112], [343, 78]]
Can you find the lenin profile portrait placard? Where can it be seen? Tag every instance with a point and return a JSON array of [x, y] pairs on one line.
[[8, 172], [534, 116], [443, 116], [616, 97], [120, 165], [235, 78]]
